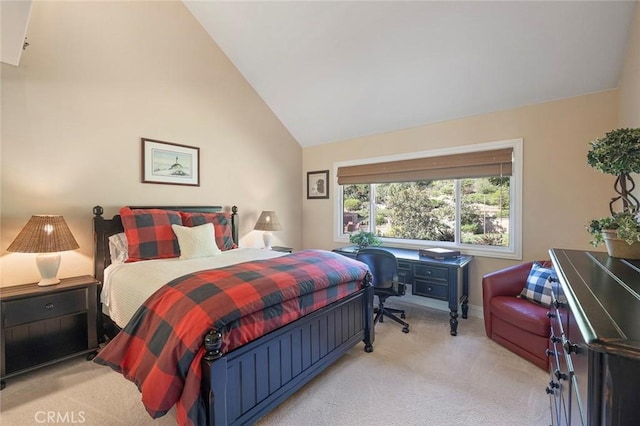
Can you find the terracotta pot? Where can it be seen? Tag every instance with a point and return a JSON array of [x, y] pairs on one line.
[[620, 248]]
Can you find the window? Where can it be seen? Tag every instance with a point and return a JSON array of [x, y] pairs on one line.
[[466, 198]]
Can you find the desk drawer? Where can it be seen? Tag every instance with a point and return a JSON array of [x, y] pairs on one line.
[[431, 273], [430, 289], [404, 265], [37, 308], [405, 270]]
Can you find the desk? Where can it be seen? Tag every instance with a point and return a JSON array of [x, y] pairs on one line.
[[438, 279]]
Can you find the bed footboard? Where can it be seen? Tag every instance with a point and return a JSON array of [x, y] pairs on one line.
[[244, 385]]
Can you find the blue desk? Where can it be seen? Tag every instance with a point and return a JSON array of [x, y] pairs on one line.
[[446, 279]]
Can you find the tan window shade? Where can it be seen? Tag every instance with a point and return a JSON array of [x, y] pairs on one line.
[[455, 166]]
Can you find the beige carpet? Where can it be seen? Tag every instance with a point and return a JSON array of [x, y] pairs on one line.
[[426, 377]]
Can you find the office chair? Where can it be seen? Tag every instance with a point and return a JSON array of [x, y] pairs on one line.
[[384, 268]]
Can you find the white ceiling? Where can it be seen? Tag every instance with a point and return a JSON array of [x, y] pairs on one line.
[[14, 19], [337, 70]]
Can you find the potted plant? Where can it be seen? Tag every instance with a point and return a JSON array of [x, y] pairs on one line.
[[618, 154], [364, 239]]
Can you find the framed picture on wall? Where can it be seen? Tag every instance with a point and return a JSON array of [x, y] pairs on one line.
[[170, 163], [318, 184]]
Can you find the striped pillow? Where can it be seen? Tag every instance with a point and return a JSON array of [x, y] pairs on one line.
[[221, 226], [149, 233]]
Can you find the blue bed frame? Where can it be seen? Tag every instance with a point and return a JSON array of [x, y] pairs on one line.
[[243, 385]]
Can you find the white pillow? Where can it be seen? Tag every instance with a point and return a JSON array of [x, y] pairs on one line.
[[197, 241], [118, 248]]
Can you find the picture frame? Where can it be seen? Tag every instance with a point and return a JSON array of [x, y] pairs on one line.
[[318, 184], [170, 163]]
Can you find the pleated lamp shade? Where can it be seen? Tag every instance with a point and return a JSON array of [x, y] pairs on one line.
[[268, 221], [45, 234]]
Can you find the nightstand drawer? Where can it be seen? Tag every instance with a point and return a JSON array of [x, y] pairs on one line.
[[37, 308], [431, 273]]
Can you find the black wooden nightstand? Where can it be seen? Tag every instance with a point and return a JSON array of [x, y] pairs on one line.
[[44, 325], [282, 249]]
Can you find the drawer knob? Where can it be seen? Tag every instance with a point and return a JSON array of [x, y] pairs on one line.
[[428, 272], [48, 306], [570, 347], [560, 376]]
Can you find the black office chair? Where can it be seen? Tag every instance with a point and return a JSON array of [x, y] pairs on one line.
[[386, 282]]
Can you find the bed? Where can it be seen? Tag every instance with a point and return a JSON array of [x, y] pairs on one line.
[[241, 385]]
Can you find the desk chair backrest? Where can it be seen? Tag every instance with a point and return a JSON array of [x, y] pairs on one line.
[[383, 266]]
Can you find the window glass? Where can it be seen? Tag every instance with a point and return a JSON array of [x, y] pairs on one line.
[[416, 210], [484, 210], [356, 207]]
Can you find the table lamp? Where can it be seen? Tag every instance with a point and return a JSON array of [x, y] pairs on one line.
[[267, 222], [46, 235]]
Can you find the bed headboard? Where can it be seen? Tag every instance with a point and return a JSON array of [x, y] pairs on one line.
[[104, 228]]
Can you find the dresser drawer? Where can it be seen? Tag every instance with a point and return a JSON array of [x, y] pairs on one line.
[[430, 289], [431, 273], [37, 308]]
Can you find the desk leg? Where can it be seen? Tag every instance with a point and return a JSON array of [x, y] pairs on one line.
[[465, 306], [453, 322], [465, 291]]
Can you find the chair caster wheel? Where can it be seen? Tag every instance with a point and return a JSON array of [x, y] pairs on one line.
[[403, 316], [405, 329]]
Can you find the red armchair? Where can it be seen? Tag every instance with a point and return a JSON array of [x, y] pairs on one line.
[[517, 324]]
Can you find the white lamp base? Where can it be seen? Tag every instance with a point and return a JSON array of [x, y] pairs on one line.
[[48, 264], [266, 237]]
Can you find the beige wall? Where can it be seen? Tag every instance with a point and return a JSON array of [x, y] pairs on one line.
[[96, 78], [630, 80], [560, 191]]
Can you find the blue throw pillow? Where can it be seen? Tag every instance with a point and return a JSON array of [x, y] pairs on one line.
[[538, 287]]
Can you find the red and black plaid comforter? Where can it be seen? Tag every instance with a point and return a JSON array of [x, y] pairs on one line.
[[161, 348]]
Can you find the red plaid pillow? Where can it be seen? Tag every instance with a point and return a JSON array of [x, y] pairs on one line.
[[221, 226], [149, 233]]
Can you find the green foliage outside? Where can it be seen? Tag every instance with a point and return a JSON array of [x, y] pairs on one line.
[[426, 210]]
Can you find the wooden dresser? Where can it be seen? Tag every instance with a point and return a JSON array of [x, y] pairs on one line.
[[595, 342]]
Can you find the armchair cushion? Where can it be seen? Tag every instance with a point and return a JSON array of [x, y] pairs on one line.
[[538, 286], [521, 313]]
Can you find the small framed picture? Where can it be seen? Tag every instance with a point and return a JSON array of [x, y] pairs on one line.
[[170, 163], [318, 184]]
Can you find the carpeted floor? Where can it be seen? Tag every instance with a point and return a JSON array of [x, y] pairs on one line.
[[426, 377]]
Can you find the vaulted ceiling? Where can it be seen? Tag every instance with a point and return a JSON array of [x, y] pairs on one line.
[[332, 71]]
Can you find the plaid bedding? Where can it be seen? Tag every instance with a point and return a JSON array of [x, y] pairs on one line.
[[161, 348]]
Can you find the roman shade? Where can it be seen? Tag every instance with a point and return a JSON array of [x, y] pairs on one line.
[[496, 162]]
